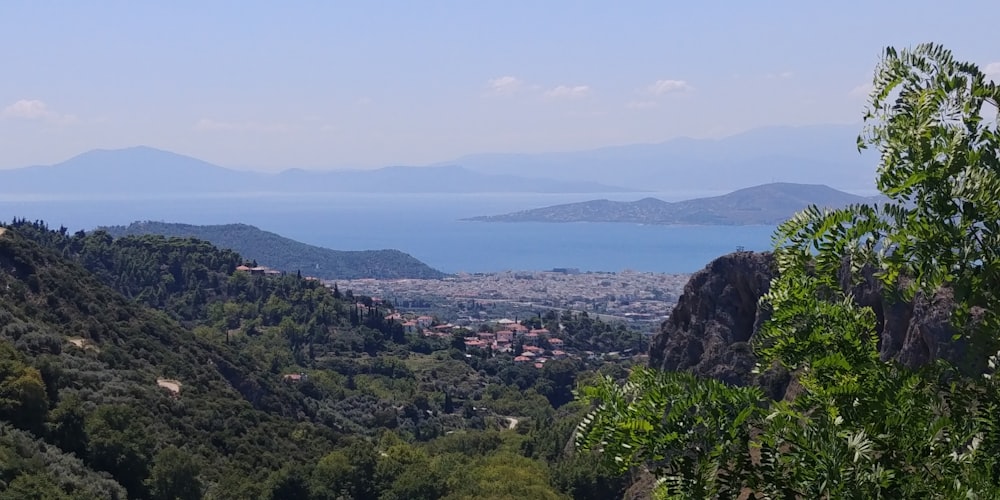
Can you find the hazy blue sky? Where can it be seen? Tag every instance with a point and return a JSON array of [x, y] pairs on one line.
[[270, 85]]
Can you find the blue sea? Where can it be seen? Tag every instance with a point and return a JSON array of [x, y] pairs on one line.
[[426, 226]]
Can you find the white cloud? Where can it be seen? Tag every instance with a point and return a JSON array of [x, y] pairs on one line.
[[641, 104], [207, 124], [862, 90], [992, 69], [568, 92], [505, 85], [34, 109], [661, 87]]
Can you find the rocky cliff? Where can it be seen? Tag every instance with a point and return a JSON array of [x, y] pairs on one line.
[[710, 327], [709, 330]]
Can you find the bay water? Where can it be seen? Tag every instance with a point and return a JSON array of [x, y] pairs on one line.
[[427, 226]]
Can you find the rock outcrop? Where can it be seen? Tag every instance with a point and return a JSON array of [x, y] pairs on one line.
[[710, 328]]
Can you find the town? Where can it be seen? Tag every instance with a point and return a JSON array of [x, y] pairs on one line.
[[641, 300]]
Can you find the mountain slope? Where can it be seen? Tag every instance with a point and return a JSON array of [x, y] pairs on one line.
[[151, 367], [103, 361], [127, 171], [289, 255], [764, 204]]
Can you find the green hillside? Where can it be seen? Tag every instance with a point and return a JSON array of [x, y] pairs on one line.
[[289, 255], [145, 366]]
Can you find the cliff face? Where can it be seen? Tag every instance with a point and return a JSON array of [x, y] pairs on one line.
[[710, 327], [717, 315], [912, 332]]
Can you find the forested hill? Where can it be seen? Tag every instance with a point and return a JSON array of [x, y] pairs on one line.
[[764, 204], [148, 367], [87, 372], [285, 254]]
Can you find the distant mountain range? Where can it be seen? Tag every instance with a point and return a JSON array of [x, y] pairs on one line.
[[143, 170], [285, 254], [825, 154], [764, 204], [821, 154]]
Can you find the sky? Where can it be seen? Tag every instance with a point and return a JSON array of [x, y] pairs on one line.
[[323, 84]]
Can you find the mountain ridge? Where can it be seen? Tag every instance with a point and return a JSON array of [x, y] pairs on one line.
[[824, 154], [288, 255], [762, 204]]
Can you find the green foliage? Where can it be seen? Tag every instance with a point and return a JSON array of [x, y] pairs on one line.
[[120, 445], [174, 475], [90, 325], [30, 468], [504, 476], [33, 487], [693, 431], [857, 426], [584, 333], [23, 400]]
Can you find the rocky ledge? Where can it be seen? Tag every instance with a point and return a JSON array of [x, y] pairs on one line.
[[710, 328]]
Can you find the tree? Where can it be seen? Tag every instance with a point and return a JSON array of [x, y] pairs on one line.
[[862, 427], [66, 427], [23, 400], [332, 477], [290, 481], [33, 487], [174, 476], [560, 375], [120, 444]]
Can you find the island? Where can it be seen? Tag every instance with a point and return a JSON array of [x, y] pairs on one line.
[[763, 204]]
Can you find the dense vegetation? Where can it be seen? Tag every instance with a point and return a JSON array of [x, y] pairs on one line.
[[858, 426], [288, 255], [148, 367]]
